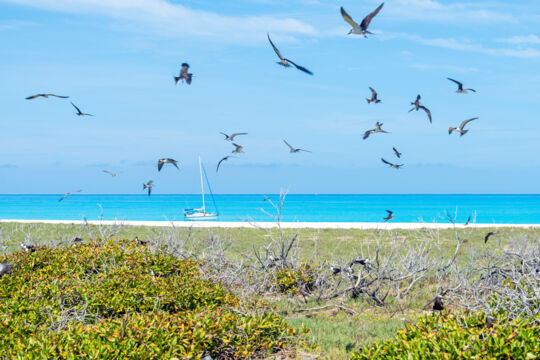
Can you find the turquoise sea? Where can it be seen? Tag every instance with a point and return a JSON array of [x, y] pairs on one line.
[[518, 209]]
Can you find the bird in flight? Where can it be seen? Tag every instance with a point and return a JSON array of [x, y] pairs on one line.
[[361, 29], [79, 112], [68, 194], [418, 106], [46, 96], [488, 235], [163, 161], [377, 129], [396, 152], [460, 127], [294, 150], [222, 160], [110, 173], [393, 166], [232, 136], [184, 75], [373, 97], [286, 62], [238, 149], [460, 89], [148, 186], [389, 217], [468, 221]]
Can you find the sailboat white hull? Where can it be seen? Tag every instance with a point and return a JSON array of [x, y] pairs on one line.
[[200, 216], [200, 213]]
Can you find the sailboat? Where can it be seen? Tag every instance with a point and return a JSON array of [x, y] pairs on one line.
[[201, 213]]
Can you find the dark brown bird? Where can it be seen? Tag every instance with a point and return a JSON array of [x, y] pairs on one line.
[[184, 75], [488, 235], [67, 194], [46, 96], [28, 248], [373, 97], [468, 220], [286, 62], [378, 129], [397, 153], [232, 136], [418, 106], [149, 185], [222, 160], [361, 29], [460, 129], [438, 304], [389, 217], [393, 166], [5, 267], [163, 161], [460, 89], [239, 149], [79, 112], [294, 150]]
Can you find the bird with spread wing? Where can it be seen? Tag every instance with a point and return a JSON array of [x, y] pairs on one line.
[[286, 62], [361, 29]]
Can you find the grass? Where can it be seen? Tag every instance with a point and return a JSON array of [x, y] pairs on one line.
[[334, 332]]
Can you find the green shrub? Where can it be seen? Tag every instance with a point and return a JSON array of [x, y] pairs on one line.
[[290, 281], [465, 336], [115, 299]]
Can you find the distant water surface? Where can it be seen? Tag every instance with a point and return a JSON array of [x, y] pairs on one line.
[[505, 209]]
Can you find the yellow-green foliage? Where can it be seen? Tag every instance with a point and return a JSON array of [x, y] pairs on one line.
[[290, 280], [101, 301], [464, 336]]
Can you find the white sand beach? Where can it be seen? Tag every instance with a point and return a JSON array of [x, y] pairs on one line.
[[285, 225]]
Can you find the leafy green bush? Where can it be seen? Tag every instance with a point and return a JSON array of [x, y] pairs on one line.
[[465, 336], [290, 281], [115, 299]]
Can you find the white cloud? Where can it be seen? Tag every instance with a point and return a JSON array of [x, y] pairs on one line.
[[178, 20], [523, 39]]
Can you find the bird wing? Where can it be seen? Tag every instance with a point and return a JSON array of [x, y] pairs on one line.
[[486, 238], [398, 154], [275, 48], [472, 90], [109, 172], [160, 164], [373, 93], [220, 161], [386, 162], [58, 96], [150, 183], [427, 111], [301, 68], [236, 134], [289, 145], [33, 97], [365, 23], [460, 85], [238, 147], [174, 162], [226, 136], [366, 134], [76, 108], [462, 125], [389, 212], [348, 18], [304, 150], [149, 190]]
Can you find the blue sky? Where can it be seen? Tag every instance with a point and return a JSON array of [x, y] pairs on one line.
[[116, 59]]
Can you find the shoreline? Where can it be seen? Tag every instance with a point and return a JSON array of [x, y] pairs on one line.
[[269, 225]]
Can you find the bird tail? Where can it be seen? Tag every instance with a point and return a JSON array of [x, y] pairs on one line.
[[368, 101]]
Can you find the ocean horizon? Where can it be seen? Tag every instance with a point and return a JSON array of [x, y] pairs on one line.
[[407, 208]]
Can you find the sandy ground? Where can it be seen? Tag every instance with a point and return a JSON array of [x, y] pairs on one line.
[[287, 225]]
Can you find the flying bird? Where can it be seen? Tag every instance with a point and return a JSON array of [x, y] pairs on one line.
[[232, 136], [184, 75], [294, 150], [488, 235], [163, 161], [148, 186], [5, 267], [222, 160], [377, 129], [460, 127], [46, 96], [417, 106], [393, 166], [373, 97], [396, 152], [286, 62], [361, 29], [68, 194], [238, 149], [460, 89], [79, 112], [389, 217], [110, 173], [468, 221]]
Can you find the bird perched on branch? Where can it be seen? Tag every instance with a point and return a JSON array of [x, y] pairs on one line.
[[393, 166], [389, 217], [68, 194], [286, 62], [460, 129], [460, 89], [79, 112], [294, 150], [29, 248], [148, 186], [373, 97], [184, 75], [361, 29], [46, 96], [418, 106], [438, 303], [378, 129], [164, 161]]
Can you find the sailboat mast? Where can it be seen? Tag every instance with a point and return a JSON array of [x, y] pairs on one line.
[[202, 184]]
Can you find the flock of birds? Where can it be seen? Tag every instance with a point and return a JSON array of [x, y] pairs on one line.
[[356, 29]]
